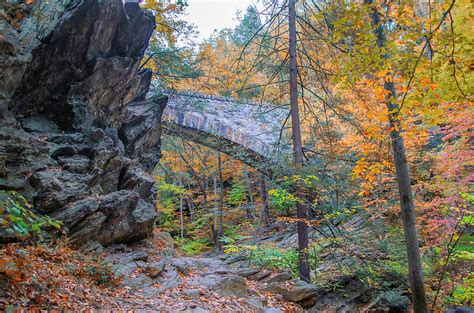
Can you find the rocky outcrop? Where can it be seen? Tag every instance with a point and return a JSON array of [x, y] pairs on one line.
[[77, 135]]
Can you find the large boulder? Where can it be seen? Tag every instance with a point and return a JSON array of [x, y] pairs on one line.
[[122, 216], [78, 137], [297, 291], [224, 285]]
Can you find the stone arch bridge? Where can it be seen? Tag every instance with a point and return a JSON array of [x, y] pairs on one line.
[[248, 132]]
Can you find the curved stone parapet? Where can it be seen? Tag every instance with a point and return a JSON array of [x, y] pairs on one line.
[[255, 128]]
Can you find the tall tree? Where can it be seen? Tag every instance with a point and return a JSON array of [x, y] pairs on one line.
[[246, 176], [415, 274], [248, 27], [221, 202], [169, 61], [215, 219], [301, 212], [265, 214]]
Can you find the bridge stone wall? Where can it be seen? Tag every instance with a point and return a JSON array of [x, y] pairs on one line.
[[256, 128]]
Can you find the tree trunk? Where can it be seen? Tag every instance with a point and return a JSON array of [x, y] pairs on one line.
[[215, 233], [181, 222], [265, 215], [205, 186], [415, 274], [250, 213], [221, 201], [301, 212], [190, 205]]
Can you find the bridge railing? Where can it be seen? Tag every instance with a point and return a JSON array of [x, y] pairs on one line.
[[245, 124]]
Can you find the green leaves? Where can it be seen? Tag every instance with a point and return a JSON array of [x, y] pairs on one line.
[[168, 202], [282, 199], [238, 194], [17, 218]]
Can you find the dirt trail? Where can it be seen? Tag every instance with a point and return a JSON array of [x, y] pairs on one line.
[[155, 278]]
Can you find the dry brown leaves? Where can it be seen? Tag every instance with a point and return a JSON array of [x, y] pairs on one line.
[[58, 278]]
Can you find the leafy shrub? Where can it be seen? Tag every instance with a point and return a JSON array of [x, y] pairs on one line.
[[101, 271], [199, 228], [168, 198], [463, 293], [269, 257], [282, 200], [237, 194], [17, 218], [276, 258], [231, 236], [192, 247]]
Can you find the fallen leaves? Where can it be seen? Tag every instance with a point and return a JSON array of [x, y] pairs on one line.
[[59, 278]]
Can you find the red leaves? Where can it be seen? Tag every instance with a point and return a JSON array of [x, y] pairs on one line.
[[47, 277], [9, 267]]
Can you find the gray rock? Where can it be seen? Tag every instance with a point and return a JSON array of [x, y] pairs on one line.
[[279, 277], [76, 164], [22, 155], [166, 237], [87, 230], [192, 294], [3, 170], [155, 269], [134, 178], [122, 225], [76, 212], [136, 256], [170, 278], [269, 310], [181, 264], [141, 130], [86, 32], [126, 269], [117, 248], [92, 247], [121, 217], [67, 80], [126, 263], [144, 216], [110, 177], [229, 285], [56, 189], [246, 272], [13, 59], [232, 285], [260, 275], [141, 281], [39, 124], [168, 253], [64, 150], [255, 303], [394, 300], [300, 291]]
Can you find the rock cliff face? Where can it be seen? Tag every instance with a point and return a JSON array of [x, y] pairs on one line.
[[77, 135]]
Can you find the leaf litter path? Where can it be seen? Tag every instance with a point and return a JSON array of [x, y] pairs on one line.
[[152, 278], [155, 279]]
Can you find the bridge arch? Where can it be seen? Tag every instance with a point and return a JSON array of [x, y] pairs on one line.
[[248, 132]]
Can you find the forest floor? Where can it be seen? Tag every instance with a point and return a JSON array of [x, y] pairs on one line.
[[150, 277]]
